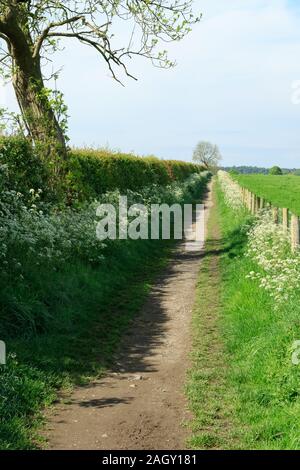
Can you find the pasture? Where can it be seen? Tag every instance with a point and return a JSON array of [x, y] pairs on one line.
[[281, 191]]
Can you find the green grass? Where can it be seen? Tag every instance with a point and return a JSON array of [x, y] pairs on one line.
[[91, 310], [281, 191], [258, 340], [210, 401], [252, 400]]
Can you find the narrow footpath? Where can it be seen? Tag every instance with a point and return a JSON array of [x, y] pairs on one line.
[[140, 403]]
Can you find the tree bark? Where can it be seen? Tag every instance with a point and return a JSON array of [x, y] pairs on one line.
[[28, 84], [40, 119]]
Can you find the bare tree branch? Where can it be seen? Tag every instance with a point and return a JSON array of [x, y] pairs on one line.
[[46, 31]]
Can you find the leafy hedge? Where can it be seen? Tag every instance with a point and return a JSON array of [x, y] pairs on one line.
[[94, 172], [88, 173], [21, 168]]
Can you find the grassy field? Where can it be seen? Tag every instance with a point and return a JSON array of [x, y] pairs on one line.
[[282, 191], [250, 399]]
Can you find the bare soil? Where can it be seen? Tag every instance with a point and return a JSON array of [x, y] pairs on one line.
[[140, 403]]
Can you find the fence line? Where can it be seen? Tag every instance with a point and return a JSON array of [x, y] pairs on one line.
[[282, 216]]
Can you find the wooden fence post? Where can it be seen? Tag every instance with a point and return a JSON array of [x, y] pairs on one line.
[[249, 199], [253, 203], [275, 213], [257, 203], [295, 232], [285, 218]]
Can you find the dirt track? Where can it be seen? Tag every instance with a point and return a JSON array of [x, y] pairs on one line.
[[141, 403]]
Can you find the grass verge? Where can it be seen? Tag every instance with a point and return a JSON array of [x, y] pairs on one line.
[[243, 388], [210, 401]]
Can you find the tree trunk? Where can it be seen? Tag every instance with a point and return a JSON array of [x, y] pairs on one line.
[[38, 115], [39, 118]]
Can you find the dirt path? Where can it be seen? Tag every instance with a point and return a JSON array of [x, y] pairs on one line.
[[211, 396], [141, 403]]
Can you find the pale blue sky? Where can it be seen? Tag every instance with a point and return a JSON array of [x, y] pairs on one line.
[[232, 85]]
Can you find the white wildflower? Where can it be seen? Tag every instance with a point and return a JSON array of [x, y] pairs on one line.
[[269, 247], [232, 191]]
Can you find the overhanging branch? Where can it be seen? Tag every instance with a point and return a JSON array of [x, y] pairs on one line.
[[108, 55], [46, 31]]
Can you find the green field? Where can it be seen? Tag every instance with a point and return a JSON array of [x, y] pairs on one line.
[[281, 191]]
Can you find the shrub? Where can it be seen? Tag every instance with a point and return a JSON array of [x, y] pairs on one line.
[[21, 169]]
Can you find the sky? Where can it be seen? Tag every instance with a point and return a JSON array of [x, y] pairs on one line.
[[235, 84]]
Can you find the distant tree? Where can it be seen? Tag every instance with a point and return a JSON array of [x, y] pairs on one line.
[[244, 169], [275, 170], [296, 173], [208, 154]]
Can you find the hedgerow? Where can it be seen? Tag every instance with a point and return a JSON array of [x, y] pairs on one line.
[[21, 168], [94, 172], [65, 296], [86, 174]]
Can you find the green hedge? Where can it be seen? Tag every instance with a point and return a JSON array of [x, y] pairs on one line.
[[88, 173], [93, 172], [21, 169]]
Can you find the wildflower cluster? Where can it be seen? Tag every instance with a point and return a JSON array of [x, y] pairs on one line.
[[231, 190], [174, 193], [34, 233], [278, 269], [269, 246]]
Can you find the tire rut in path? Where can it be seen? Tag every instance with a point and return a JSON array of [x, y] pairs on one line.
[[140, 403]]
